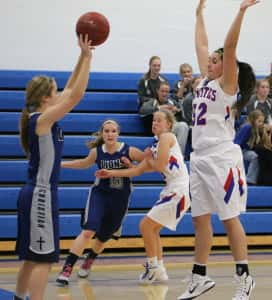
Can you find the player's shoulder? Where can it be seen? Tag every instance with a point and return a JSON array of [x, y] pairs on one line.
[[167, 137]]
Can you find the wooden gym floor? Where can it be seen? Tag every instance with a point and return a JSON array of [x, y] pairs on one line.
[[115, 276]]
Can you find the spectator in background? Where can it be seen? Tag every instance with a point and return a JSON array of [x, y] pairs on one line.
[[183, 86], [264, 151], [150, 82], [269, 78], [248, 137], [188, 100], [180, 129], [261, 101]]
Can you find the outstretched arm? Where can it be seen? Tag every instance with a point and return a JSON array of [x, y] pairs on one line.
[[81, 163], [72, 94], [201, 39], [230, 75]]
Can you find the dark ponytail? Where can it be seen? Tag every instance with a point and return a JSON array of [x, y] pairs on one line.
[[247, 84]]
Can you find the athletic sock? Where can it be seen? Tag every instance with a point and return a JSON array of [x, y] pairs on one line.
[[70, 260], [199, 269]]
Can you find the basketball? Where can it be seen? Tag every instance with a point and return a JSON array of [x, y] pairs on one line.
[[95, 25]]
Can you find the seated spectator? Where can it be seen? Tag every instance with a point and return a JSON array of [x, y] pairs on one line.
[[150, 82], [269, 78], [188, 100], [264, 151], [163, 101], [183, 86], [248, 137], [261, 100]]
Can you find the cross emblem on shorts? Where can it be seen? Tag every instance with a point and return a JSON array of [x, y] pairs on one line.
[[40, 241]]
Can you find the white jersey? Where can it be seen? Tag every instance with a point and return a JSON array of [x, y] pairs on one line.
[[212, 120], [175, 171]]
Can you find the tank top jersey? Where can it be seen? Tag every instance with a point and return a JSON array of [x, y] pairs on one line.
[[212, 119], [45, 154], [175, 171], [105, 160]]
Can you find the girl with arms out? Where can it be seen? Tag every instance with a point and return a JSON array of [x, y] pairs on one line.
[[108, 199]]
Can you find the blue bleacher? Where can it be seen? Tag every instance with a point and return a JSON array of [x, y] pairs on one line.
[[143, 197], [80, 122], [109, 95], [74, 145]]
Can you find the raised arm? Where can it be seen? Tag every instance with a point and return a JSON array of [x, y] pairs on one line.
[[201, 40], [73, 93], [230, 74], [83, 163]]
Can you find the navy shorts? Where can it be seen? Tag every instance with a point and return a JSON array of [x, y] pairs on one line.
[[38, 224], [105, 211]]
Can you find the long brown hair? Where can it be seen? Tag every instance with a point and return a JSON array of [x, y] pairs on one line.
[[266, 142], [246, 83], [99, 134], [152, 58], [37, 88], [255, 137]]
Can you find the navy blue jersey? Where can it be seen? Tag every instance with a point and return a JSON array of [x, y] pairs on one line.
[[108, 199], [45, 154], [109, 161], [38, 221]]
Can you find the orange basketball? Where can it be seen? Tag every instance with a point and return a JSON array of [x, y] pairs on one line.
[[95, 25]]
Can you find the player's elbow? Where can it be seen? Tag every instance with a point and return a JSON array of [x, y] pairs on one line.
[[76, 96]]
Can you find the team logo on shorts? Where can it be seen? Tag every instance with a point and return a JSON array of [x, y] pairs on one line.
[[173, 162], [165, 199], [229, 186]]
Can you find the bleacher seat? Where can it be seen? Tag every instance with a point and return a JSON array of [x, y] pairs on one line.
[[109, 96], [74, 145]]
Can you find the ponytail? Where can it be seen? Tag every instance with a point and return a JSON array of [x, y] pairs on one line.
[[96, 142], [247, 83]]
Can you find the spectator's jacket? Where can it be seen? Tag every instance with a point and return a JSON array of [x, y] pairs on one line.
[[152, 105], [147, 88], [265, 107], [242, 136]]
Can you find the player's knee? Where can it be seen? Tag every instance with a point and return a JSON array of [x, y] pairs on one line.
[[143, 225]]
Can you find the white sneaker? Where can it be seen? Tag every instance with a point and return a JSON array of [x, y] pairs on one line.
[[150, 275], [161, 276], [198, 285], [64, 275], [84, 269], [245, 285]]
